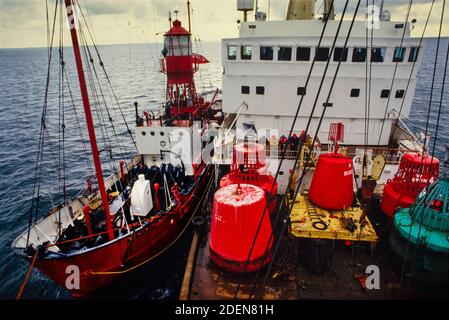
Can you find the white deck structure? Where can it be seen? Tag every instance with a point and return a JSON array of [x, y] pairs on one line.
[[268, 64]]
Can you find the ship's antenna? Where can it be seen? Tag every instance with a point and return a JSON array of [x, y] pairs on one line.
[[189, 17]]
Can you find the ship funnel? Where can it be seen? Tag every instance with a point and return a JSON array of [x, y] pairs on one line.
[[329, 12], [301, 10]]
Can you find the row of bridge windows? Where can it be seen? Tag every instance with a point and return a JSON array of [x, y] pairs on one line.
[[301, 91], [323, 54]]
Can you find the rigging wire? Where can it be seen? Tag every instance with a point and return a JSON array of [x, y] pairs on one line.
[[443, 86], [61, 126], [305, 134], [38, 169], [432, 88], [48, 26], [105, 135], [368, 70], [283, 153], [325, 106], [203, 74], [77, 119], [203, 87], [111, 88], [111, 120], [415, 255], [434, 76], [401, 47], [414, 63]]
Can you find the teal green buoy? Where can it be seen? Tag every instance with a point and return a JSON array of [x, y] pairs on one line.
[[420, 234]]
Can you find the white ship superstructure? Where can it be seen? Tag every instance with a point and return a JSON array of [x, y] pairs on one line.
[[268, 64]]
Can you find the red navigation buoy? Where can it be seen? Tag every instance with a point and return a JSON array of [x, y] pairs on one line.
[[249, 165], [416, 172], [332, 185], [236, 214], [250, 154]]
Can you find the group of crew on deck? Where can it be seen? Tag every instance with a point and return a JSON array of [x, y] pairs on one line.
[[291, 144]]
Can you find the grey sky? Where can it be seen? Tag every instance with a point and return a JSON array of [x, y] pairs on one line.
[[23, 22]]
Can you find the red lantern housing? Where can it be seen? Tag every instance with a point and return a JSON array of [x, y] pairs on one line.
[[180, 64]]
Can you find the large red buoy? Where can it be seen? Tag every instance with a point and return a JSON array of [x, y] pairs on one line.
[[332, 185], [236, 214], [416, 171]]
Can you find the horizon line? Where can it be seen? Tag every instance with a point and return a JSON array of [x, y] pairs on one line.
[[131, 43]]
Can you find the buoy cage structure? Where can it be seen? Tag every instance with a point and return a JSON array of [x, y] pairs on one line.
[[420, 234], [249, 166], [416, 172]]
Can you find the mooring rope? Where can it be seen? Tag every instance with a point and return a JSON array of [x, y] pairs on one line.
[[22, 287]]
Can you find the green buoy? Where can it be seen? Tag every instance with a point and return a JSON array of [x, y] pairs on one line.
[[420, 234]]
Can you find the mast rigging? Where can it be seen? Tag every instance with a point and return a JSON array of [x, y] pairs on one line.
[[89, 119]]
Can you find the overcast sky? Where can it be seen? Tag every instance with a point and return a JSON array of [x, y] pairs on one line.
[[23, 22]]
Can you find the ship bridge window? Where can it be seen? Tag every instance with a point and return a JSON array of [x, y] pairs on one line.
[[246, 52], [385, 94], [301, 91], [399, 54], [260, 90], [266, 53], [400, 94], [413, 57], [285, 54], [232, 52], [322, 54], [355, 93], [359, 55], [245, 90], [378, 54], [302, 54], [341, 53]]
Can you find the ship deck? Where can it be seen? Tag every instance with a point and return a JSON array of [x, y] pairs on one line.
[[311, 265], [305, 214], [293, 279]]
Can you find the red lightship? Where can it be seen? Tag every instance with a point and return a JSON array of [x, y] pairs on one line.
[[138, 212]]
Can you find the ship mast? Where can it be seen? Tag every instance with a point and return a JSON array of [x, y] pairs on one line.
[[189, 17], [89, 119]]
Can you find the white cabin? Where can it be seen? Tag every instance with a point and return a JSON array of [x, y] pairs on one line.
[[268, 64]]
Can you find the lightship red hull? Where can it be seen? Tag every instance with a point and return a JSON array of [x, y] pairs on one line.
[[102, 265]]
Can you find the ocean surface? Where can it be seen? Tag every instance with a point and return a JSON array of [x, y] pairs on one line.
[[135, 77]]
